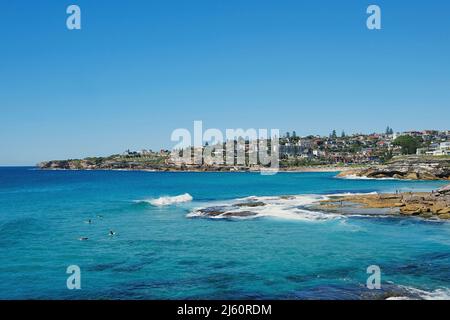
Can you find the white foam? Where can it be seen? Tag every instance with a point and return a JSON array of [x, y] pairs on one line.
[[344, 194], [290, 207], [437, 294], [399, 298], [166, 201], [355, 177]]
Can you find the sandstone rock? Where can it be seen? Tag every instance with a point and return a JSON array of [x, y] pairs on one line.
[[411, 176], [407, 167], [440, 206], [443, 211], [414, 209], [423, 204], [426, 215], [427, 176], [388, 196], [409, 213], [413, 198]]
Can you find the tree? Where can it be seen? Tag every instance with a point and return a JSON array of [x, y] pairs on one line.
[[288, 135], [356, 147], [408, 144], [333, 134], [389, 130], [386, 156], [343, 134], [294, 134]]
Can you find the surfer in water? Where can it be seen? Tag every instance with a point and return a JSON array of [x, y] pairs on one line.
[[111, 233]]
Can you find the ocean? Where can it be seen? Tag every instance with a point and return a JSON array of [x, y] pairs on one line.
[[162, 250]]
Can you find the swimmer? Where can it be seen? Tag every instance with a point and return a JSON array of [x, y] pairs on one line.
[[83, 238], [111, 233]]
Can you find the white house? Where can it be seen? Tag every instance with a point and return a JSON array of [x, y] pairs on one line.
[[441, 152]]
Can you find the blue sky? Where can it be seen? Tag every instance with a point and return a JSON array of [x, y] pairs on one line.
[[140, 69]]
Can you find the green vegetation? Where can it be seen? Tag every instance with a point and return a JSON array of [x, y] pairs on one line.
[[408, 144], [289, 163], [386, 157], [333, 135]]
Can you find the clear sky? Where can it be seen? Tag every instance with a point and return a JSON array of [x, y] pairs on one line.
[[140, 69]]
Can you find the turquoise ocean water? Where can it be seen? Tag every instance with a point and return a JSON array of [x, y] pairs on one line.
[[160, 253]]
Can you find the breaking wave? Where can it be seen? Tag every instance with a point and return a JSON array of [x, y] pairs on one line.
[[294, 207], [355, 177], [166, 201], [284, 207], [417, 294]]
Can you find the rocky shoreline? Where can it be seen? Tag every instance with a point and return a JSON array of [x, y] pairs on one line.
[[139, 166], [434, 204], [406, 167], [428, 205]]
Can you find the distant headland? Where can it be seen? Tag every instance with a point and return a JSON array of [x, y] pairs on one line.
[[415, 155]]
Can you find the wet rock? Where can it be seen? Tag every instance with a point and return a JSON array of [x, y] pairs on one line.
[[212, 211], [444, 190], [287, 197], [251, 204], [239, 214]]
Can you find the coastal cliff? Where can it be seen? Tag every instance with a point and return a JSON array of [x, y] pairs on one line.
[[99, 164], [406, 167], [162, 162]]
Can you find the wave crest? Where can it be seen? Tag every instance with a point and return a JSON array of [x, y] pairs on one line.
[[355, 177], [414, 294], [284, 207], [168, 200]]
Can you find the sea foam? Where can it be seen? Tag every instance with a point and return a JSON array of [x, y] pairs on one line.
[[293, 207], [414, 294], [166, 201], [284, 207], [355, 177]]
